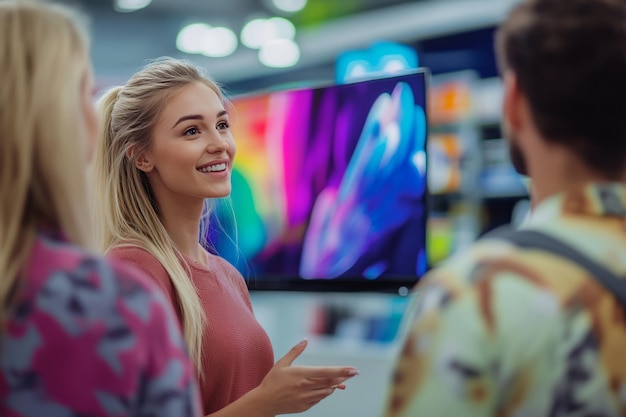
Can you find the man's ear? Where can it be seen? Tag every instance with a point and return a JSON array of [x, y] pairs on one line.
[[141, 160], [512, 103]]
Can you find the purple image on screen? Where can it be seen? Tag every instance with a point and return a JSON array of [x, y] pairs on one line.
[[329, 183]]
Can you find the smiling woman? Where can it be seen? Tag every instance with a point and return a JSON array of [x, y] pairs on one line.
[[192, 151], [166, 147]]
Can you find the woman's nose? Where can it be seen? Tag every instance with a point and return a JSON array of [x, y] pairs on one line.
[[216, 142]]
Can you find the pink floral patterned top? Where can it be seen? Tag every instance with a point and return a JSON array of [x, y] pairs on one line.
[[89, 337]]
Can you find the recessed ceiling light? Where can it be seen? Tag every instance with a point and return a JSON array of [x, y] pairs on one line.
[[281, 28], [201, 38], [219, 42], [190, 38], [254, 32], [290, 6], [258, 32], [279, 53], [126, 6]]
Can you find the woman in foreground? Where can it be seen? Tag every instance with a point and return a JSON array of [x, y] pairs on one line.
[[79, 336]]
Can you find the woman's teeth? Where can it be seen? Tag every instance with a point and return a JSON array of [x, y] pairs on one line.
[[213, 168]]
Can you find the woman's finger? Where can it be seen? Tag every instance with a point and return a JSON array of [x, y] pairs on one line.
[[326, 382], [313, 372]]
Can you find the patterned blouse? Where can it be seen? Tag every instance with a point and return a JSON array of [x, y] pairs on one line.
[[92, 338], [504, 331]]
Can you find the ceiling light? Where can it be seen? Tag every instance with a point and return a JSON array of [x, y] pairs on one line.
[[254, 33], [279, 53], [125, 6], [290, 6], [281, 28], [258, 32], [191, 37], [218, 42]]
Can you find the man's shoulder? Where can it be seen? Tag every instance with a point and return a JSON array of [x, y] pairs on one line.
[[484, 253], [494, 266], [492, 259]]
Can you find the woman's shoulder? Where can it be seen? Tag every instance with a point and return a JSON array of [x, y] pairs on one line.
[[72, 298], [218, 263], [128, 251], [137, 257], [52, 256], [61, 269]]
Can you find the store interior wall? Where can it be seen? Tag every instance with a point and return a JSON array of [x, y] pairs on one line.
[[454, 39]]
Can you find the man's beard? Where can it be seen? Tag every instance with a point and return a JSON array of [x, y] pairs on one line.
[[517, 157], [518, 160]]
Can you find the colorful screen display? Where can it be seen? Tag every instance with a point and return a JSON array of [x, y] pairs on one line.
[[328, 187]]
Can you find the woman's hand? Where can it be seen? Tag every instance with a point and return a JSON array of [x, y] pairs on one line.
[[290, 389]]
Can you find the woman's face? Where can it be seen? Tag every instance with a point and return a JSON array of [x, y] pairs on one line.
[[192, 149]]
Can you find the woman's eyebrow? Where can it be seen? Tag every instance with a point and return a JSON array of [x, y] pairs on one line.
[[189, 117], [197, 117]]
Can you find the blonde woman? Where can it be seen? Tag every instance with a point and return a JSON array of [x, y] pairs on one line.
[[165, 148], [79, 336]]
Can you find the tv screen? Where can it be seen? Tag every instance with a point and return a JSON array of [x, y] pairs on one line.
[[328, 187]]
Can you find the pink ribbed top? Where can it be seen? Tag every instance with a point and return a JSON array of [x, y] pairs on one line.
[[236, 351]]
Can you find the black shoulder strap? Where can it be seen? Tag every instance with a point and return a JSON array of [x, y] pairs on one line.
[[538, 240]]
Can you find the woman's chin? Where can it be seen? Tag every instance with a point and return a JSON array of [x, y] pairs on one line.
[[218, 192]]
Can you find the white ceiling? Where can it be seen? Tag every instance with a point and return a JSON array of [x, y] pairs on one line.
[[123, 41]]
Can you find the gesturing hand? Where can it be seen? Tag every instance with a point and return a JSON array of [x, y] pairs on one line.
[[293, 389]]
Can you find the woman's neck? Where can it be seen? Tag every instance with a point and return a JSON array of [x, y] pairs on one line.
[[182, 222]]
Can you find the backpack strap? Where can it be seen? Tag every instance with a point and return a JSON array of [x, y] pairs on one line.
[[538, 240]]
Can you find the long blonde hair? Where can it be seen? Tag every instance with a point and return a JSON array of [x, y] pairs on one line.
[[127, 211], [43, 62]]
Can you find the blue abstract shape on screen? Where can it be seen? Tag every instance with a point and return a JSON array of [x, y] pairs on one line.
[[380, 191]]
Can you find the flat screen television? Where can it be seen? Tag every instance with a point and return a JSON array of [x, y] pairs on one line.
[[328, 187]]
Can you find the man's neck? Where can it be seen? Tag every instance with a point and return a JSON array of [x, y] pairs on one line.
[[557, 171]]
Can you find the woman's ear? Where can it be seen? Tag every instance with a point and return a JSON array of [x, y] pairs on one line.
[[141, 161]]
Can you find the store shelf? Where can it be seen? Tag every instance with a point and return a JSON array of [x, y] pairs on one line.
[[473, 185]]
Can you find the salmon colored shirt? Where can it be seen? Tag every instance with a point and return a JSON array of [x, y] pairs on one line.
[[236, 351]]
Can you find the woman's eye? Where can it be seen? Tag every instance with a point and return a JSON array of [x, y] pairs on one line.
[[223, 125], [192, 131]]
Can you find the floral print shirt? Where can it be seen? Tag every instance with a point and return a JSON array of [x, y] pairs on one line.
[[505, 331], [87, 337]]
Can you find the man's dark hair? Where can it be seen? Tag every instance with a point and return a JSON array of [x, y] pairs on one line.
[[569, 57]]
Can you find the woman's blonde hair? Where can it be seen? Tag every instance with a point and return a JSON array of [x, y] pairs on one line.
[[43, 71], [127, 210]]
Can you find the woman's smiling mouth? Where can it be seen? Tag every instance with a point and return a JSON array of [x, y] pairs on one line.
[[213, 168]]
